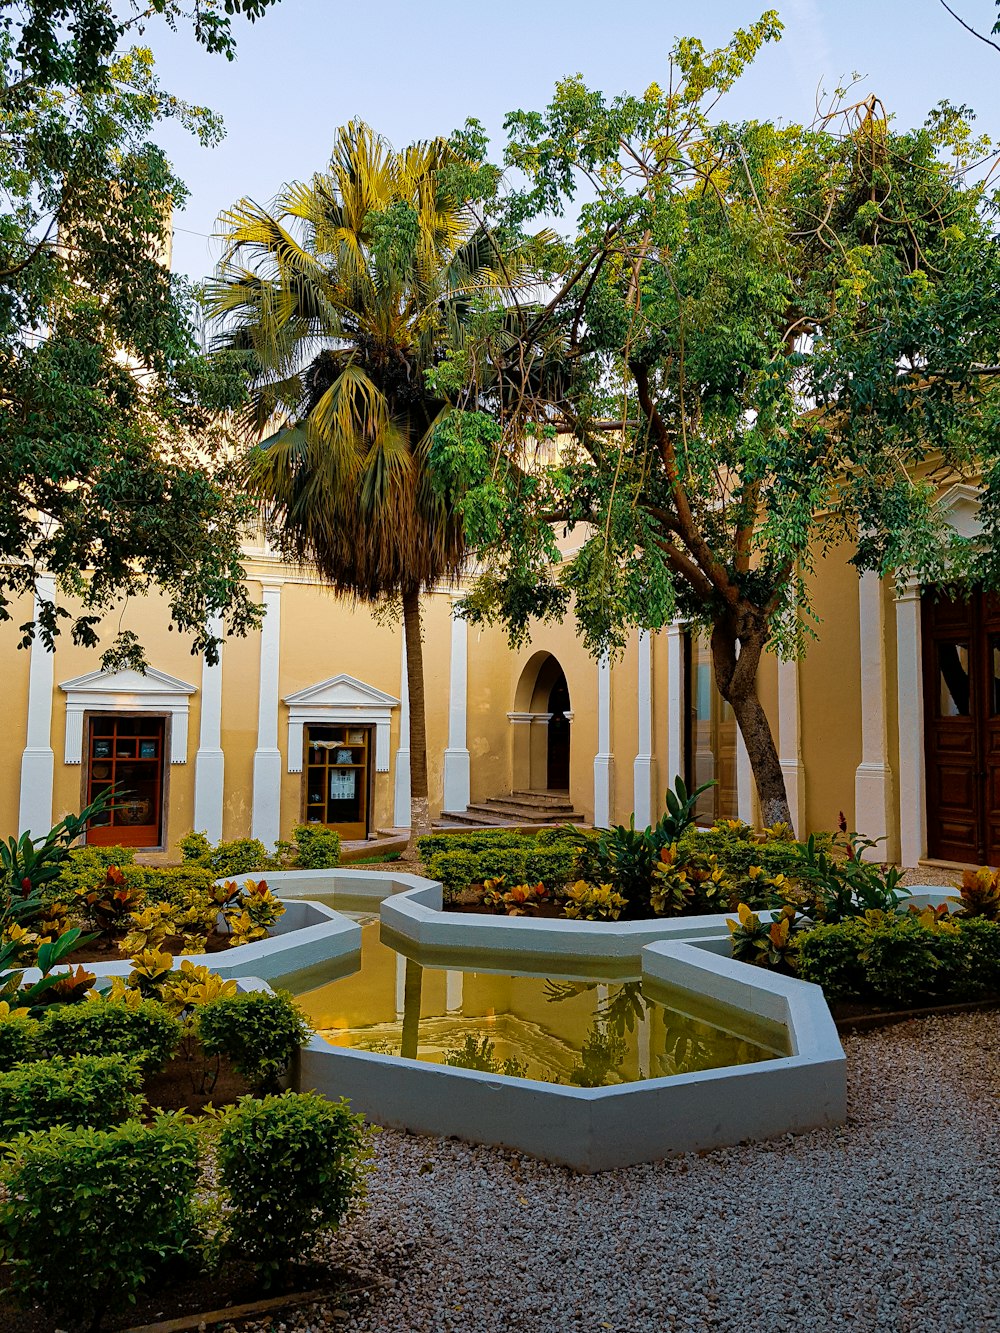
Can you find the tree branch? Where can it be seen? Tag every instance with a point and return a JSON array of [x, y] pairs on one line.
[[969, 28]]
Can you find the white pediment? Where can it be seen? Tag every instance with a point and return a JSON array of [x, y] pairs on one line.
[[127, 691], [959, 507], [126, 682], [341, 699], [341, 691]]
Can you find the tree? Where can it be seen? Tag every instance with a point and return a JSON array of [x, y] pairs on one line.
[[341, 298], [115, 477], [779, 339]]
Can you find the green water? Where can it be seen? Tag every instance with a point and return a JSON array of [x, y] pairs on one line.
[[589, 1033]]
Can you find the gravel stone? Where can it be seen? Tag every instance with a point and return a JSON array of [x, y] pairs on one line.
[[890, 1224]]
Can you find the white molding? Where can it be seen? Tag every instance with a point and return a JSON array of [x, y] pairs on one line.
[[910, 706], [266, 815], [604, 760], [457, 762], [874, 814], [790, 742], [127, 691], [342, 700], [643, 769], [38, 763], [959, 506], [401, 791], [210, 762]]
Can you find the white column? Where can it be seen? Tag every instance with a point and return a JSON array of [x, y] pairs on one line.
[[790, 742], [401, 802], [643, 774], [910, 703], [266, 821], [209, 762], [675, 702], [604, 760], [873, 785], [37, 760], [457, 765]]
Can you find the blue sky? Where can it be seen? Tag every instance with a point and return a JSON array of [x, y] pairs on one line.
[[416, 69]]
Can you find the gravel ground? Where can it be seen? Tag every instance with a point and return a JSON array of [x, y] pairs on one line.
[[891, 1223]]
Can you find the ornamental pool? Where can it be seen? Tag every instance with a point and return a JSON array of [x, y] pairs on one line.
[[587, 1032]]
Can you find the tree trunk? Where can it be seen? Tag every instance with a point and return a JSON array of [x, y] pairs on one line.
[[738, 640], [420, 814]]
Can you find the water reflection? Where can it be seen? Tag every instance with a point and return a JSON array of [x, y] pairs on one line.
[[585, 1033]]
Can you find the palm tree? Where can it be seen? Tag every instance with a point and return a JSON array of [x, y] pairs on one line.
[[341, 297]]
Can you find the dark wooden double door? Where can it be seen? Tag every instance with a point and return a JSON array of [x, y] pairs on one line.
[[961, 652]]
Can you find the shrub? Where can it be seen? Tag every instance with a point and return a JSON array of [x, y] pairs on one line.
[[900, 963], [477, 840], [552, 866], [86, 868], [290, 1167], [316, 847], [979, 894], [143, 1030], [18, 1037], [831, 956], [259, 1031], [765, 943], [90, 1216], [96, 1090], [227, 859], [592, 902], [982, 943], [177, 885]]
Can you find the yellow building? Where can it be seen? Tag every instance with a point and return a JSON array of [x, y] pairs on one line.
[[890, 718]]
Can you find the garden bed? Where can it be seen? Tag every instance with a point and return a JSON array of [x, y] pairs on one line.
[[852, 1016], [235, 1284]]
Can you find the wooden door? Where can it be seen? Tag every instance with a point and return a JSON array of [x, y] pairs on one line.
[[127, 751], [338, 778], [961, 669]]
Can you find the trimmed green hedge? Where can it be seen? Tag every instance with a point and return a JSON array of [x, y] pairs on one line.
[[552, 866], [903, 961], [97, 1090], [89, 1217], [147, 1033], [259, 1031], [18, 1040], [290, 1167]]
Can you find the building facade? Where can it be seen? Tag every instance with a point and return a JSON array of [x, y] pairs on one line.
[[891, 718]]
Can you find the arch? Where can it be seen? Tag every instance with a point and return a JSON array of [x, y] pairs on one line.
[[540, 726]]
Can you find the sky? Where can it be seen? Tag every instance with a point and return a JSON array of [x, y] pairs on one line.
[[416, 68]]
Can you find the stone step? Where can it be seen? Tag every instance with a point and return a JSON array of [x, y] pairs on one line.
[[511, 811]]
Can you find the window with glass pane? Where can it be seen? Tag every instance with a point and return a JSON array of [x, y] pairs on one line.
[[336, 777], [953, 680], [126, 752]]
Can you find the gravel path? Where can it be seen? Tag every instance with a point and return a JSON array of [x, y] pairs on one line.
[[891, 1223]]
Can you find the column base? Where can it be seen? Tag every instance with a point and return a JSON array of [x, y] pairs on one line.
[[209, 780], [35, 806], [644, 790], [795, 787], [457, 779], [266, 820], [874, 804], [604, 768]]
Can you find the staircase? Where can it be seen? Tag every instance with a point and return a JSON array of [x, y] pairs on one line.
[[520, 807]]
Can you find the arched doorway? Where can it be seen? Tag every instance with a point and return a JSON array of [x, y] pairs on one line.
[[557, 765], [541, 726]]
